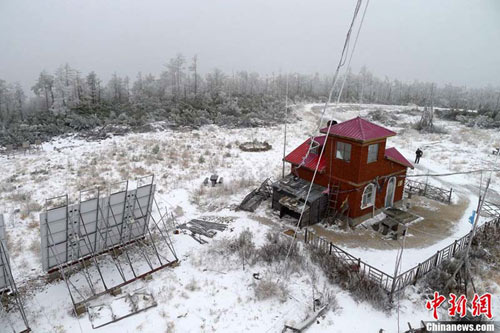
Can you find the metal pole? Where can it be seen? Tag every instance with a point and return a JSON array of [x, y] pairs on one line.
[[131, 222], [121, 242], [89, 247], [398, 265], [166, 238], [473, 232], [9, 276], [286, 118], [60, 266], [471, 236], [115, 260], [125, 201], [146, 226]]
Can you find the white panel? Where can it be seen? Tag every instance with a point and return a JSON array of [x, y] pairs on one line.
[[94, 226]]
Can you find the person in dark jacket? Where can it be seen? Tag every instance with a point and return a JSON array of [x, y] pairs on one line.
[[418, 154]]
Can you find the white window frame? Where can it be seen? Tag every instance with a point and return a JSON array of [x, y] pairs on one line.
[[315, 147], [341, 150], [392, 181], [373, 193], [372, 156]]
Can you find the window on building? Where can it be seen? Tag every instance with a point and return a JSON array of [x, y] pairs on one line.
[[343, 151], [368, 196], [315, 148], [372, 152]]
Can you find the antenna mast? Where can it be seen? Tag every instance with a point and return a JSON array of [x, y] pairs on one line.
[[286, 119]]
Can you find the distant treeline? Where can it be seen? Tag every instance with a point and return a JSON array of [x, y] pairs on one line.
[[69, 101]]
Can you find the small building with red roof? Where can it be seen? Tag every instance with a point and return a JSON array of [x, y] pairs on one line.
[[357, 175]]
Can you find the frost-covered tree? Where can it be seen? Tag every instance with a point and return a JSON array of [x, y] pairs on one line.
[[193, 68], [67, 89], [183, 95], [117, 90], [173, 77], [44, 87], [93, 85]]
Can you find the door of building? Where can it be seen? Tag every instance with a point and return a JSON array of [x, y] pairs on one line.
[[389, 193]]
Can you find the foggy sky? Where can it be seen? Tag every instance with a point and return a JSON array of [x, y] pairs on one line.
[[455, 41]]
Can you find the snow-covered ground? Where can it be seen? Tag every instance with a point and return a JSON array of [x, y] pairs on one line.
[[213, 293]]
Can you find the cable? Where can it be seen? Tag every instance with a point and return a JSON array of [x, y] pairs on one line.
[[341, 63], [450, 173], [399, 263], [284, 135], [343, 58], [464, 260]]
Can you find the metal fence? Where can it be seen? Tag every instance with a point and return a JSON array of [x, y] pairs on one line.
[[429, 191], [453, 250], [373, 274], [390, 283], [490, 209]]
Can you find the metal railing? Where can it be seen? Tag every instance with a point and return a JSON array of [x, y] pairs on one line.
[[353, 263], [429, 191], [390, 283], [453, 250], [490, 209]]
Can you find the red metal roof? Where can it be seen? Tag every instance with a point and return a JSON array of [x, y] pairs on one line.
[[320, 139], [296, 157], [359, 129], [394, 155]]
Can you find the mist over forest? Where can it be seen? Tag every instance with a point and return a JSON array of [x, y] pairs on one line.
[[67, 100]]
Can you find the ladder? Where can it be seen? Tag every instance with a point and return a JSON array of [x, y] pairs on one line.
[[333, 196]]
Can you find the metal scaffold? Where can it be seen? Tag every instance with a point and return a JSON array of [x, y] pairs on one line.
[[103, 243]]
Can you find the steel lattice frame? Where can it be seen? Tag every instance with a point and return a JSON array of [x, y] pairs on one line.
[[10, 300], [114, 239]]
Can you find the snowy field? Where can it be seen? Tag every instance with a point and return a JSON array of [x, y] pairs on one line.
[[211, 292]]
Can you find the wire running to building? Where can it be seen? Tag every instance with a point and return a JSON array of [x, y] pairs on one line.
[[451, 173], [336, 76], [342, 61]]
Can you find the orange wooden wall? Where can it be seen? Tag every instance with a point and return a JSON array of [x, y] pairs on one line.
[[355, 175]]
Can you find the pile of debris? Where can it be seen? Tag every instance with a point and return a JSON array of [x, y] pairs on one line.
[[255, 146], [104, 132], [254, 198], [200, 228]]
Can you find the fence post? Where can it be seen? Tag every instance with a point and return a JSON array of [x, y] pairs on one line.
[[454, 248], [449, 196], [416, 274], [425, 189], [393, 287], [437, 259], [305, 236], [330, 250]]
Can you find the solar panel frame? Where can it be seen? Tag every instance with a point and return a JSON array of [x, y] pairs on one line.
[[91, 227], [13, 301], [4, 283]]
